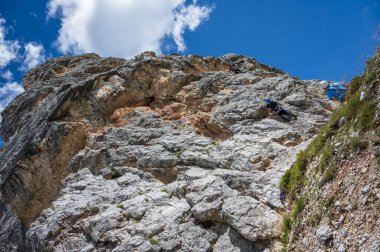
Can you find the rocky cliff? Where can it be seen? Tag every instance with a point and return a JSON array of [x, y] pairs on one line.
[[170, 153], [335, 183]]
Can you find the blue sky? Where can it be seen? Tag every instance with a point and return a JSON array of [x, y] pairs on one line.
[[324, 39]]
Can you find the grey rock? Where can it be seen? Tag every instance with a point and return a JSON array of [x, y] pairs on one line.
[[376, 150], [341, 248], [14, 235], [375, 246], [324, 233], [251, 218], [231, 241], [150, 154], [366, 189], [364, 200]]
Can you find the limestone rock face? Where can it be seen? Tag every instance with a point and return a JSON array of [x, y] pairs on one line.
[[170, 153]]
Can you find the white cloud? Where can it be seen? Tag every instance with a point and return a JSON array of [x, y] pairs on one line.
[[188, 17], [7, 75], [34, 55], [123, 28], [7, 93], [10, 52], [8, 48]]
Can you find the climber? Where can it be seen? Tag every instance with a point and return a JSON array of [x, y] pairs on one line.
[[282, 197], [275, 107]]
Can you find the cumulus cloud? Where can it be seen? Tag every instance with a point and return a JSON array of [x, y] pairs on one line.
[[7, 93], [189, 17], [8, 48], [6, 75], [10, 51], [124, 27], [34, 55]]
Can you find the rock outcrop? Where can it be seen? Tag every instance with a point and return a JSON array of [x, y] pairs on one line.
[[170, 153], [338, 199]]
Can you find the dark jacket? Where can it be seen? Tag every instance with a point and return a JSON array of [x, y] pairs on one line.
[[274, 106]]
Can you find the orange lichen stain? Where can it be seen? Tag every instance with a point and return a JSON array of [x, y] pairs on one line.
[[119, 117], [174, 111]]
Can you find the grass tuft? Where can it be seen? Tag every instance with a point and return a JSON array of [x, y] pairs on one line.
[[357, 144], [355, 84], [329, 174], [121, 206], [327, 153], [352, 106], [154, 241], [178, 154], [367, 114]]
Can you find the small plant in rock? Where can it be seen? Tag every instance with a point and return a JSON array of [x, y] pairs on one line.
[[367, 114], [217, 142], [178, 154], [165, 190], [154, 241], [355, 84], [352, 106], [327, 153], [290, 219], [357, 144], [370, 74], [286, 226], [334, 119], [315, 218], [355, 206], [121, 206], [329, 174], [298, 207], [294, 178], [329, 202]]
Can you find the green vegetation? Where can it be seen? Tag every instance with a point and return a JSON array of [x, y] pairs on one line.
[[286, 227], [334, 119], [121, 206], [355, 84], [293, 178], [357, 144], [351, 107], [357, 114], [164, 190], [154, 241], [178, 154], [314, 219], [367, 114], [217, 142], [298, 206], [329, 202], [329, 174], [291, 219], [355, 117], [370, 74], [326, 155]]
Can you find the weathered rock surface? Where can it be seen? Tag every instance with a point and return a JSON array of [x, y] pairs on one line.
[[340, 196], [324, 233], [171, 153]]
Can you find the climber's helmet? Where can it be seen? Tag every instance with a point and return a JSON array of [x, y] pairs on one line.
[[267, 100]]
